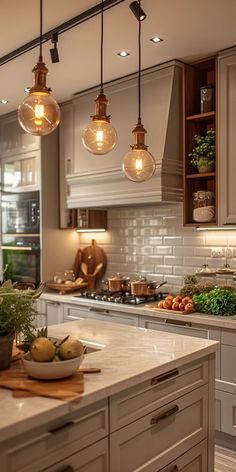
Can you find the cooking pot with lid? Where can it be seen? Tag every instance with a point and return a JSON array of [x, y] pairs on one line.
[[144, 287], [118, 283]]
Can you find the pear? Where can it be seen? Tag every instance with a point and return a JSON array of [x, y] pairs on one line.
[[71, 348], [42, 350]]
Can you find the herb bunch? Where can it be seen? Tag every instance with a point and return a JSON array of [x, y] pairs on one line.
[[204, 152]]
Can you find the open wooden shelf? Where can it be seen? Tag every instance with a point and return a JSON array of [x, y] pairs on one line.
[[202, 116], [208, 175], [197, 75]]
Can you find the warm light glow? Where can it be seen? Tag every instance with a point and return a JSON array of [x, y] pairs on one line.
[[99, 137], [139, 165], [39, 113]]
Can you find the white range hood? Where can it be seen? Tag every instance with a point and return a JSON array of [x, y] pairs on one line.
[[98, 181]]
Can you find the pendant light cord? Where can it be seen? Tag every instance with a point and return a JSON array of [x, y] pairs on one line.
[[139, 63], [102, 47], [41, 29]]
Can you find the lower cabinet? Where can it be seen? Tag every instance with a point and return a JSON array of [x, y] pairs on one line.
[[226, 398], [91, 459], [173, 327], [76, 312], [50, 313], [193, 461]]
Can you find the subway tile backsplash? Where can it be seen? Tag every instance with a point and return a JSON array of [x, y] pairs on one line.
[[152, 241]]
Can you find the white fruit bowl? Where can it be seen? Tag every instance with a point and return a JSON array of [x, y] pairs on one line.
[[51, 370]]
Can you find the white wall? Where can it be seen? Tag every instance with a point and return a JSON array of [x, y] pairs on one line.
[[151, 240]]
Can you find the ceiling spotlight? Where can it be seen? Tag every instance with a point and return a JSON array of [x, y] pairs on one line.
[[4, 102], [123, 53], [156, 39], [54, 51], [137, 11], [27, 89]]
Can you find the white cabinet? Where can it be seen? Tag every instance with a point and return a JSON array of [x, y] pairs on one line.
[[77, 312], [178, 327], [227, 137], [14, 140], [100, 181], [193, 461], [21, 173], [51, 310]]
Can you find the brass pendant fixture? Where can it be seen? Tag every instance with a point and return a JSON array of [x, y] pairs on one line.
[[39, 113], [138, 164], [99, 136]]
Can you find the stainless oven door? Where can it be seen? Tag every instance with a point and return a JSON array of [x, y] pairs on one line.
[[21, 259]]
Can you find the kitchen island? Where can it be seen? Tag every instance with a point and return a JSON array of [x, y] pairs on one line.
[[150, 409]]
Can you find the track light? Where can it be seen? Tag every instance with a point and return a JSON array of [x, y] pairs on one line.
[[54, 51], [137, 11]]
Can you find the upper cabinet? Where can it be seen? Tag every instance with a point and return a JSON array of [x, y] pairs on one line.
[[99, 180], [14, 140], [21, 173], [200, 173], [227, 137]]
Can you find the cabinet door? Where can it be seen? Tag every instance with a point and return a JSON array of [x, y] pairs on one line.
[[52, 310], [228, 412], [91, 459], [73, 312], [21, 173], [227, 138], [14, 140], [194, 460], [67, 217]]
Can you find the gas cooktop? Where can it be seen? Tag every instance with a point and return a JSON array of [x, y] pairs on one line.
[[120, 297]]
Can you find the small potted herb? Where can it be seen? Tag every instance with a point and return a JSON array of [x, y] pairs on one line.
[[17, 315], [203, 155]]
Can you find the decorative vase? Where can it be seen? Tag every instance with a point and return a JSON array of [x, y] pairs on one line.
[[204, 169], [6, 343]]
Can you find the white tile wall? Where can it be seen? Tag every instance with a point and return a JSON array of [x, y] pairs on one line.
[[152, 241]]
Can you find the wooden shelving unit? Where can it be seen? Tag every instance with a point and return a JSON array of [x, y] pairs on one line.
[[197, 75]]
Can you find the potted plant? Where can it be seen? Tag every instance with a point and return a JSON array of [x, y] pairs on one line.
[[203, 155], [17, 314]]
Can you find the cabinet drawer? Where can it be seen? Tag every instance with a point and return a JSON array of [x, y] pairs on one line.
[[74, 432], [91, 459], [228, 337], [228, 411], [228, 361], [158, 438], [152, 394], [194, 460]]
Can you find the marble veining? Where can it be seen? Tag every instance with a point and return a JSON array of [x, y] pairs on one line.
[[130, 356]]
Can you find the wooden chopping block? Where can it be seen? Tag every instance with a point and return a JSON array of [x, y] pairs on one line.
[[93, 255]]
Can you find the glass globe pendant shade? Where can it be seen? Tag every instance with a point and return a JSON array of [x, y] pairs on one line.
[[99, 136], [139, 164], [39, 113]]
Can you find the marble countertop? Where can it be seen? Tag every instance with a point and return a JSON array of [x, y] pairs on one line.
[[228, 322], [127, 357]]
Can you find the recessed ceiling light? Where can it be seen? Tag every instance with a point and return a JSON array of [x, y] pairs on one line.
[[27, 89], [4, 102], [123, 53], [156, 39]]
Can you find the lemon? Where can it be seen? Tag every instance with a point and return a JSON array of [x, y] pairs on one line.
[[70, 349], [42, 350]]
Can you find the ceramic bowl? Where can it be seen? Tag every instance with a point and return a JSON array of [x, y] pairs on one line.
[[51, 370]]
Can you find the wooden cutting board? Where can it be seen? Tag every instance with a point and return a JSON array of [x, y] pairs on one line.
[[92, 256], [17, 380], [154, 306]]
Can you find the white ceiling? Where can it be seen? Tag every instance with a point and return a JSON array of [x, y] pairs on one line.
[[190, 29]]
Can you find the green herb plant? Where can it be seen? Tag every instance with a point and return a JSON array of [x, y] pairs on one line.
[[219, 302], [17, 309], [204, 152]]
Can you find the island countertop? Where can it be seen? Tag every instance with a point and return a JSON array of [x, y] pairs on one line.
[[126, 355]]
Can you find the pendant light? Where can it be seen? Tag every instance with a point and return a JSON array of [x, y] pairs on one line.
[[39, 113], [139, 164], [99, 136]]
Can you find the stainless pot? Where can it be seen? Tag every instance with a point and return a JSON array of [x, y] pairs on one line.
[[118, 283], [144, 287]]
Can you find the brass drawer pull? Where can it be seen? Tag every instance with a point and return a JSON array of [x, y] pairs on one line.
[[184, 324], [165, 376], [165, 415], [63, 426], [99, 310]]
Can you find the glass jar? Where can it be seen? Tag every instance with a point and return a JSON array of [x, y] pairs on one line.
[[58, 278], [203, 206], [69, 275], [207, 98]]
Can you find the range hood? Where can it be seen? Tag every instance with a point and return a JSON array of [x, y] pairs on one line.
[[98, 181]]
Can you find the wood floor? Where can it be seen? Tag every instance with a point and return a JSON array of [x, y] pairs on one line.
[[225, 460]]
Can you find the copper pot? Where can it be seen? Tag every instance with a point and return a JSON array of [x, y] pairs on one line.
[[118, 283], [144, 287]]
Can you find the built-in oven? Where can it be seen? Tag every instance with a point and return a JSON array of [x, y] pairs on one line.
[[21, 259], [20, 213]]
